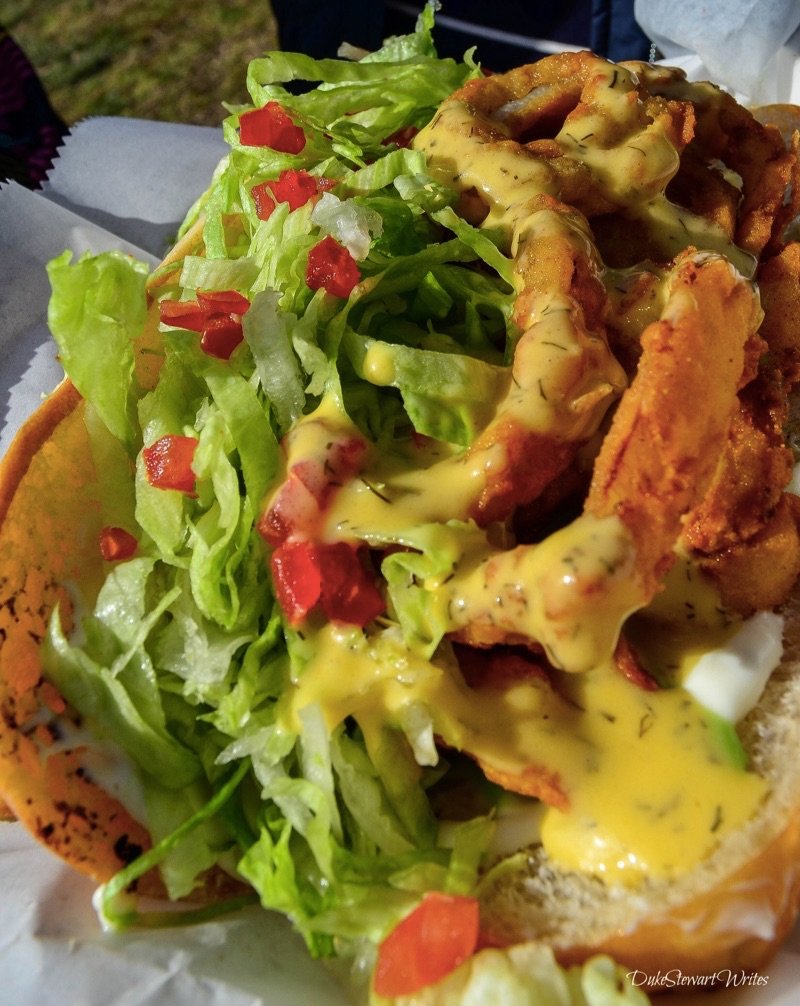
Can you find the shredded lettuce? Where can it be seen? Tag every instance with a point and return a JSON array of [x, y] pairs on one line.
[[448, 396], [97, 310], [185, 660], [527, 975]]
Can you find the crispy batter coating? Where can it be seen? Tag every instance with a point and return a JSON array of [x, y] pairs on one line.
[[779, 283], [727, 132], [753, 470], [759, 573], [671, 425], [557, 274]]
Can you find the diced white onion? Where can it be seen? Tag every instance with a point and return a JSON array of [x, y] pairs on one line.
[[351, 224], [730, 680]]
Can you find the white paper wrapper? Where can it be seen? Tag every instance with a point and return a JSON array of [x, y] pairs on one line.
[[122, 183], [53, 951], [749, 47]]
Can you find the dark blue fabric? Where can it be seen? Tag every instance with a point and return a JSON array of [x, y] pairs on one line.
[[460, 23], [504, 31], [615, 33], [318, 27]]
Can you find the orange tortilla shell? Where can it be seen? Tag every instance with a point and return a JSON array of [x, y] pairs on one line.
[[49, 527]]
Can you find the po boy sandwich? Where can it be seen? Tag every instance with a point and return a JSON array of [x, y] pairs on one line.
[[414, 550]]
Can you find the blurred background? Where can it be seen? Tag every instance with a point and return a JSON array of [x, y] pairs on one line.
[[178, 61], [160, 59]]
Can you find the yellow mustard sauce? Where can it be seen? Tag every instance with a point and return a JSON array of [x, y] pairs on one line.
[[630, 158], [632, 161], [684, 621], [566, 592], [507, 178], [647, 792]]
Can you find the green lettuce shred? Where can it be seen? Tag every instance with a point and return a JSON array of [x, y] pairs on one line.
[[183, 658]]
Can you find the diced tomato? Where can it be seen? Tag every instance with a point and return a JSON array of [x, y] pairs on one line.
[[168, 463], [271, 126], [438, 935], [221, 335], [306, 573], [292, 187], [349, 592], [294, 510], [116, 543], [297, 578], [222, 302], [332, 268], [321, 475], [217, 315], [182, 314], [264, 199], [296, 506]]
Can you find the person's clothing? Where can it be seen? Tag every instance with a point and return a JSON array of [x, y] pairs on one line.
[[615, 32], [506, 33], [318, 28], [30, 130]]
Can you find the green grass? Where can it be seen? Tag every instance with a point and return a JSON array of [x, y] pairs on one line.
[[152, 59]]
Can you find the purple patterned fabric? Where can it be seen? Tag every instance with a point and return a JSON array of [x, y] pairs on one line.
[[30, 130]]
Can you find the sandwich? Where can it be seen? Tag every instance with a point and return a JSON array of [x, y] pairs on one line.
[[414, 550]]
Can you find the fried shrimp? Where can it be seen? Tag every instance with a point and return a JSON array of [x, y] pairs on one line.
[[661, 452], [727, 134], [572, 592], [563, 374], [538, 153], [744, 534]]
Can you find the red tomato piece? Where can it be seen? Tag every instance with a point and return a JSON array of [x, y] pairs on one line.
[[221, 335], [296, 507], [168, 463], [307, 573], [332, 267], [264, 199], [182, 314], [437, 936], [271, 126], [222, 302], [297, 578], [292, 187], [116, 543], [294, 510], [321, 475], [349, 592], [217, 315]]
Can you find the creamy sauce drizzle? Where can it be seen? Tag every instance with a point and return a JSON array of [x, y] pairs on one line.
[[572, 591], [619, 824]]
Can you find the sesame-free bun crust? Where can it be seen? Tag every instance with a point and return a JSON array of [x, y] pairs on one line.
[[49, 527], [733, 911]]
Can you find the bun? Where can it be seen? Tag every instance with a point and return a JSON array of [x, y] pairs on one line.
[[732, 911]]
